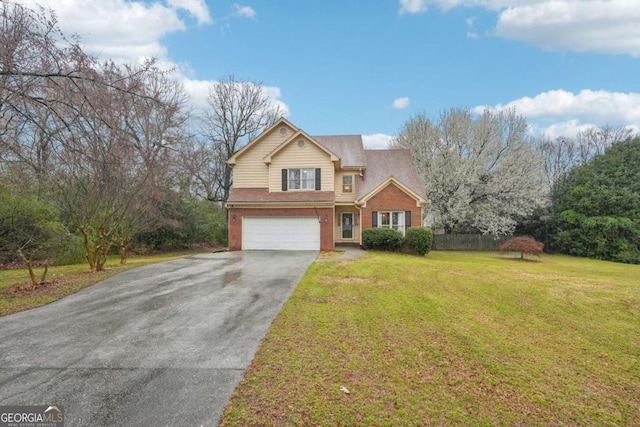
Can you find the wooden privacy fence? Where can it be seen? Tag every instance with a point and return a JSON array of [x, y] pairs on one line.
[[467, 242]]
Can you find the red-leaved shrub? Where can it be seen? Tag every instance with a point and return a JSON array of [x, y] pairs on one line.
[[522, 244]]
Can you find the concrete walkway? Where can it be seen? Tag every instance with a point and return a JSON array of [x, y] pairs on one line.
[[350, 252]]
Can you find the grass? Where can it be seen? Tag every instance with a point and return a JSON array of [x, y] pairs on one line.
[[450, 339], [17, 294]]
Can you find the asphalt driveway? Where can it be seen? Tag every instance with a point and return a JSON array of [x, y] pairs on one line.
[[162, 345]]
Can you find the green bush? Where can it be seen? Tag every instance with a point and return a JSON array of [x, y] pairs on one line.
[[70, 250], [385, 239], [631, 256], [596, 206], [599, 237], [419, 239]]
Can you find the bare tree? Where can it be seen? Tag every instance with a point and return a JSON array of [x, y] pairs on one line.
[[114, 159], [479, 172], [558, 157], [564, 153], [98, 136], [237, 112], [41, 69], [594, 140]]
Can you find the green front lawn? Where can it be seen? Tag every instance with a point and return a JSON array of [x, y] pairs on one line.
[[451, 339]]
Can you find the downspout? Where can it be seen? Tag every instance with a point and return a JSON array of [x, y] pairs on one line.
[[317, 215], [358, 206]]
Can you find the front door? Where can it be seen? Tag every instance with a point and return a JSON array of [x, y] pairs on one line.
[[347, 225]]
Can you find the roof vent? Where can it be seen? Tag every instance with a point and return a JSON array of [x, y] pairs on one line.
[[283, 131], [301, 143]]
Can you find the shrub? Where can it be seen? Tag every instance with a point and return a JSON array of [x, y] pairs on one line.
[[522, 244], [385, 239], [631, 256], [419, 239], [70, 250]]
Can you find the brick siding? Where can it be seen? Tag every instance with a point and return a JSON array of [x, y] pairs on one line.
[[391, 198]]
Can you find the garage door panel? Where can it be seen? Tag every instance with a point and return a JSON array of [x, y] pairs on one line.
[[285, 233]]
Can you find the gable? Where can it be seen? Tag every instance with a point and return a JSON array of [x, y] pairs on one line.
[[268, 140], [386, 165], [301, 140], [397, 193], [301, 155], [249, 168]]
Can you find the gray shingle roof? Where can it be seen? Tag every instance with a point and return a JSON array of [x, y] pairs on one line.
[[382, 164], [348, 147]]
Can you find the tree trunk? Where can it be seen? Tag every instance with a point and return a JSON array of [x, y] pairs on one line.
[[43, 278], [102, 252], [88, 253], [29, 265], [123, 252], [101, 258]]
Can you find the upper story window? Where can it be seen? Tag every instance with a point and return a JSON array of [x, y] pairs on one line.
[[347, 184], [302, 179]]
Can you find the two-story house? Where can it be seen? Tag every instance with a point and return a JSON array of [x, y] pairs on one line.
[[296, 191]]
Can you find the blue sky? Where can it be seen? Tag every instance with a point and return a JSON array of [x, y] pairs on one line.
[[364, 67]]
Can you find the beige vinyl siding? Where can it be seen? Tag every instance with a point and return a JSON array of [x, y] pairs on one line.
[[250, 170], [293, 156], [344, 197]]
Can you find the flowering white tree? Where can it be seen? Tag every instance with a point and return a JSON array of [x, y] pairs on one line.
[[479, 172]]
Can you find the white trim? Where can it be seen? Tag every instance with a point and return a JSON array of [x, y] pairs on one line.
[[420, 202], [400, 224], [343, 184]]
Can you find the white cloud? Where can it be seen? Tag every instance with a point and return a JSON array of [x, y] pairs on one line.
[[197, 8], [244, 11], [198, 90], [583, 26], [376, 141], [569, 128], [420, 6], [400, 103], [601, 26], [558, 111], [413, 6], [275, 94], [470, 31], [124, 30]]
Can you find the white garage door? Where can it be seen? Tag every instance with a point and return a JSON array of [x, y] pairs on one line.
[[286, 233]]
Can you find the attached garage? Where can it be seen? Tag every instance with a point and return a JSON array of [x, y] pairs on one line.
[[281, 233]]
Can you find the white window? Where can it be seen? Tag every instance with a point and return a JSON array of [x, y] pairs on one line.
[[308, 179], [347, 184], [304, 179], [393, 220]]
